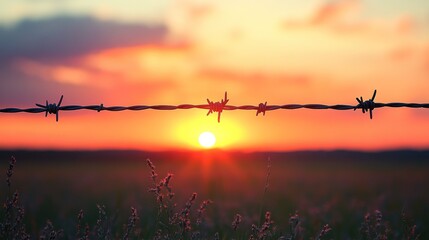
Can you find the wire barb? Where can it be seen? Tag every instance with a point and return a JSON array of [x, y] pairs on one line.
[[100, 108], [217, 106], [212, 107], [261, 109], [51, 108], [368, 105]]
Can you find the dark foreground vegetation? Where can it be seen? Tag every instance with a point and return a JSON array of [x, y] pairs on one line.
[[214, 195]]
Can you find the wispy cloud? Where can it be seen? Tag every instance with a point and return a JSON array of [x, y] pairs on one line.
[[254, 77], [63, 37], [345, 17], [333, 12]]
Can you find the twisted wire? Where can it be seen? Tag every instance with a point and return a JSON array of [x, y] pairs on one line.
[[216, 107], [261, 109], [52, 108], [367, 105]]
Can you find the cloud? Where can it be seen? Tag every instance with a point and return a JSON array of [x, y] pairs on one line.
[[64, 74], [127, 65], [130, 75], [254, 77], [198, 12], [20, 89], [333, 11], [63, 37], [405, 24], [24, 88], [344, 17], [327, 14], [401, 53], [184, 18]]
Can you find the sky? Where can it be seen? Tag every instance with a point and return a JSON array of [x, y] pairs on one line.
[[176, 52]]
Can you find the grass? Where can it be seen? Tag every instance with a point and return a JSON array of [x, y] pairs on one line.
[[298, 199]]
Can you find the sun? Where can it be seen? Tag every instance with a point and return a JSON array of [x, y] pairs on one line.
[[207, 139]]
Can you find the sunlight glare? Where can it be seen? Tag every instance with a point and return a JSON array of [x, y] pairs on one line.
[[207, 139]]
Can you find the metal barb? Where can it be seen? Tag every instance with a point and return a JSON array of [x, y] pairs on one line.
[[368, 105], [51, 108], [217, 106], [261, 109]]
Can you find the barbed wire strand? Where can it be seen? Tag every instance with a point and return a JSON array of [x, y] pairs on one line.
[[216, 107]]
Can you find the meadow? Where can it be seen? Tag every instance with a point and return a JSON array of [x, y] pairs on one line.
[[295, 195]]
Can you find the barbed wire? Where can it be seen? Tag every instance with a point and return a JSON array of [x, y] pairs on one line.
[[215, 107]]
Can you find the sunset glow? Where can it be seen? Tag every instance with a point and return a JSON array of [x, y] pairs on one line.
[[207, 139], [214, 119], [184, 52]]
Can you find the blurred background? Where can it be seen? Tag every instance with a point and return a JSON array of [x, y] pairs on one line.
[[185, 51], [173, 52]]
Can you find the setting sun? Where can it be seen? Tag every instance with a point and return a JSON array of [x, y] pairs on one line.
[[207, 139]]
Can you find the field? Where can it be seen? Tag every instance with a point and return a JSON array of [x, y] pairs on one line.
[[359, 195]]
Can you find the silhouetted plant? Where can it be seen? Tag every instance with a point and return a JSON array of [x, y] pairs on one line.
[[373, 227], [184, 223], [12, 226]]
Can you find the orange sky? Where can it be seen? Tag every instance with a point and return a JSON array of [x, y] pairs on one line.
[[178, 52]]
